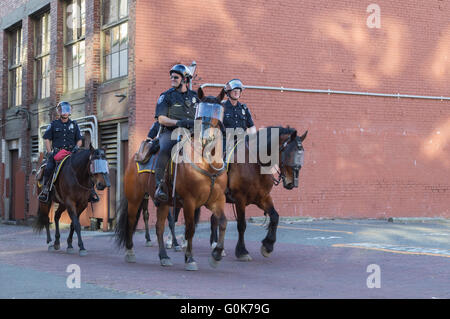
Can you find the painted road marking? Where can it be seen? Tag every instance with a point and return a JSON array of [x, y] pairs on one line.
[[311, 229], [398, 249]]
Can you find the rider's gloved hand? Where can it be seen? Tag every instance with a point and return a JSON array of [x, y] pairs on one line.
[[75, 149], [185, 123]]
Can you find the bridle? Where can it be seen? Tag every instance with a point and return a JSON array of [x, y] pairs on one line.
[[296, 161]]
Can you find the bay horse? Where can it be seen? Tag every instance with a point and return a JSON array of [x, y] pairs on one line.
[[197, 184], [246, 185], [71, 190]]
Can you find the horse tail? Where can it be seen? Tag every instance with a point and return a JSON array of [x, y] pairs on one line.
[[122, 228], [41, 221]]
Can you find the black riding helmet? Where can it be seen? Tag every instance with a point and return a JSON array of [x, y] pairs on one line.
[[181, 70]]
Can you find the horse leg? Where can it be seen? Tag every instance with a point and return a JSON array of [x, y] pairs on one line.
[[161, 216], [74, 214], [70, 249], [269, 241], [241, 252], [132, 217], [172, 219], [148, 241], [188, 210], [213, 238], [218, 210], [58, 213]]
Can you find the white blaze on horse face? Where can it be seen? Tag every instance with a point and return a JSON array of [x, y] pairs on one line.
[[215, 145]]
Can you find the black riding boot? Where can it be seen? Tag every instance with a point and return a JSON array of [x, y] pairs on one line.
[[43, 196], [161, 187]]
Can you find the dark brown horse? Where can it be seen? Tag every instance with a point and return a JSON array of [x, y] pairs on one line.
[[71, 190], [197, 184], [246, 184]]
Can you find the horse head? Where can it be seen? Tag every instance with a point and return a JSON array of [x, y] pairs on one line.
[[291, 157], [98, 167], [210, 111]]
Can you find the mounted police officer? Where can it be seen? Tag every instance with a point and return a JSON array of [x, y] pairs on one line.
[[175, 108], [61, 134], [236, 115]]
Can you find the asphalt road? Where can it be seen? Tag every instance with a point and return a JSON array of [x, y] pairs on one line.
[[312, 259]]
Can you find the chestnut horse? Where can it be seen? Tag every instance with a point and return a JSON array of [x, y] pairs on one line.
[[197, 184], [246, 186], [71, 190]]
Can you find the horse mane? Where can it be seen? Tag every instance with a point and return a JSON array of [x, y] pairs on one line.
[[80, 157], [267, 143]]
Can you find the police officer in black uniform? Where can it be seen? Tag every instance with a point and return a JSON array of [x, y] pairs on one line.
[[175, 108], [62, 133], [236, 115]]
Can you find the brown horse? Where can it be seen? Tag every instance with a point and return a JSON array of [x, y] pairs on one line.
[[246, 185], [71, 190], [197, 184]]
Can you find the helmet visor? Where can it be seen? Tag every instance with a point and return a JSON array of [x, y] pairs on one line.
[[65, 108], [234, 84]]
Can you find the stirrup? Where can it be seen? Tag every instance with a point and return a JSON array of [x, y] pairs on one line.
[[160, 195], [43, 196]]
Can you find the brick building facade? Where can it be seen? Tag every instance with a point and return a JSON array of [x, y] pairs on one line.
[[366, 155]]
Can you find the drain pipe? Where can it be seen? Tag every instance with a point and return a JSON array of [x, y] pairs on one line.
[[282, 89]]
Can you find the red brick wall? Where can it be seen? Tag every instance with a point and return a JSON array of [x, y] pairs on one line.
[[365, 156]]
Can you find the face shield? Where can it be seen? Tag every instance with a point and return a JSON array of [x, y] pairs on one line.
[[64, 109], [211, 115]]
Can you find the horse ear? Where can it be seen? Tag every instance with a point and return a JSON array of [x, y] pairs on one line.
[[221, 95], [91, 148], [200, 94], [302, 138], [294, 135]]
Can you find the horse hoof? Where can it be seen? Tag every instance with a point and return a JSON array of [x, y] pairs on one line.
[[213, 263], [177, 248], [51, 248], [264, 251], [57, 247], [83, 252], [148, 243], [166, 262], [192, 266], [130, 258], [246, 257], [70, 251]]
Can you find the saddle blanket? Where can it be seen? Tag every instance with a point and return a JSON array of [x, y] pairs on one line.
[[56, 173], [148, 167]]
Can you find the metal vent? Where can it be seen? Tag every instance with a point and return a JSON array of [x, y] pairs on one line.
[[109, 140], [35, 144]]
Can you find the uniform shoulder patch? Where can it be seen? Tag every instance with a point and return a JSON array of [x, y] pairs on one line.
[[161, 98]]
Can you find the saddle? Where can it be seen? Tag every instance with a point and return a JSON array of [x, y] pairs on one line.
[[146, 150], [40, 172]]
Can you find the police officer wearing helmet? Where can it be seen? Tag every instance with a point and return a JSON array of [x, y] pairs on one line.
[[175, 108], [62, 133], [236, 115]]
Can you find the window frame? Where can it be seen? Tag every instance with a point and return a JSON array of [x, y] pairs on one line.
[[68, 44], [13, 68], [108, 27], [39, 78]]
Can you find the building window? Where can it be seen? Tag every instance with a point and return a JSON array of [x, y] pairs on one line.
[[42, 56], [74, 44], [15, 67], [115, 30]]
